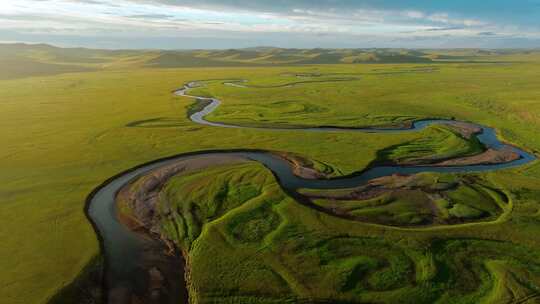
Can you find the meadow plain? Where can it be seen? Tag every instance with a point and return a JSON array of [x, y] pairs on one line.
[[71, 124]]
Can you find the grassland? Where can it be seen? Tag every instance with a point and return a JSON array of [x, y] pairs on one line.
[[206, 196], [439, 143], [256, 244], [64, 133]]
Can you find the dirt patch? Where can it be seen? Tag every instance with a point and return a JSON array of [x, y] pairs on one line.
[[302, 167], [376, 187], [467, 130], [489, 157]]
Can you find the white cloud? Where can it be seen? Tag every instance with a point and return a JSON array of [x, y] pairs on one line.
[[439, 17], [446, 19], [414, 14], [153, 18]]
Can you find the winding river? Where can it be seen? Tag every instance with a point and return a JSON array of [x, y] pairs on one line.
[[138, 266]]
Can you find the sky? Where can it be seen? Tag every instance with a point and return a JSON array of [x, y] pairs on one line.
[[223, 24]]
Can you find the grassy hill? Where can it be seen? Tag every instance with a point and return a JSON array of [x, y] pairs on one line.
[[23, 60]]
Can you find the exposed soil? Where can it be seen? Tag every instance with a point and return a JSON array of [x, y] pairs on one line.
[[490, 156], [467, 130], [301, 167], [371, 189]]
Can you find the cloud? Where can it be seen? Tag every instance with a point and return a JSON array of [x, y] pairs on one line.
[[371, 21], [442, 29], [414, 14], [439, 17], [487, 34], [151, 16]]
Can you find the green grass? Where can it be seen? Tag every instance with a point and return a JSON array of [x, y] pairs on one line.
[[438, 144], [69, 133], [64, 133], [193, 200], [271, 249]]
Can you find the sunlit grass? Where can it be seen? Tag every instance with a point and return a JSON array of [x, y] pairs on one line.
[[63, 135]]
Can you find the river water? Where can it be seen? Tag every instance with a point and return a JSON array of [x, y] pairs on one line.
[[139, 269]]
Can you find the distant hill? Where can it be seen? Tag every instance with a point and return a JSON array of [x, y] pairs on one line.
[[24, 60], [272, 56]]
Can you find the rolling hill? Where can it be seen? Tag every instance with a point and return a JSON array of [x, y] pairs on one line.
[[23, 60]]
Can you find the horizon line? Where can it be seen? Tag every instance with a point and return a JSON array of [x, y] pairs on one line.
[[60, 46]]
